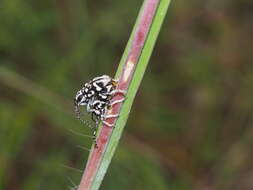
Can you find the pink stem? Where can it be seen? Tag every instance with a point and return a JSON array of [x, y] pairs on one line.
[[136, 47]]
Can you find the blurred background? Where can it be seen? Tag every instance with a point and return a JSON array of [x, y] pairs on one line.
[[190, 127]]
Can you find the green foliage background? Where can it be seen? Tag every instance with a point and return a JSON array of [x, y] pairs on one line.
[[191, 123]]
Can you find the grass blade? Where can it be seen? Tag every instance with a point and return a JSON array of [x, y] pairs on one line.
[[130, 73]]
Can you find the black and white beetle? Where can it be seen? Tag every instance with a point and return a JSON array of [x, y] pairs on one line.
[[96, 95]]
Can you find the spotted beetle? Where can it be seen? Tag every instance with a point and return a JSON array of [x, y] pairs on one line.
[[96, 95]]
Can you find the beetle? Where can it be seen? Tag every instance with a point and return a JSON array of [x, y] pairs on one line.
[[96, 95]]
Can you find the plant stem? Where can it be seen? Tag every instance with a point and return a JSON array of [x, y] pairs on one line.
[[129, 73]]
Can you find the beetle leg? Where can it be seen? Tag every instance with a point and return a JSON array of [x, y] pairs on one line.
[[107, 124], [117, 101]]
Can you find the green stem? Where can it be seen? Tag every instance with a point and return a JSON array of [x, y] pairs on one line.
[[130, 73]]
